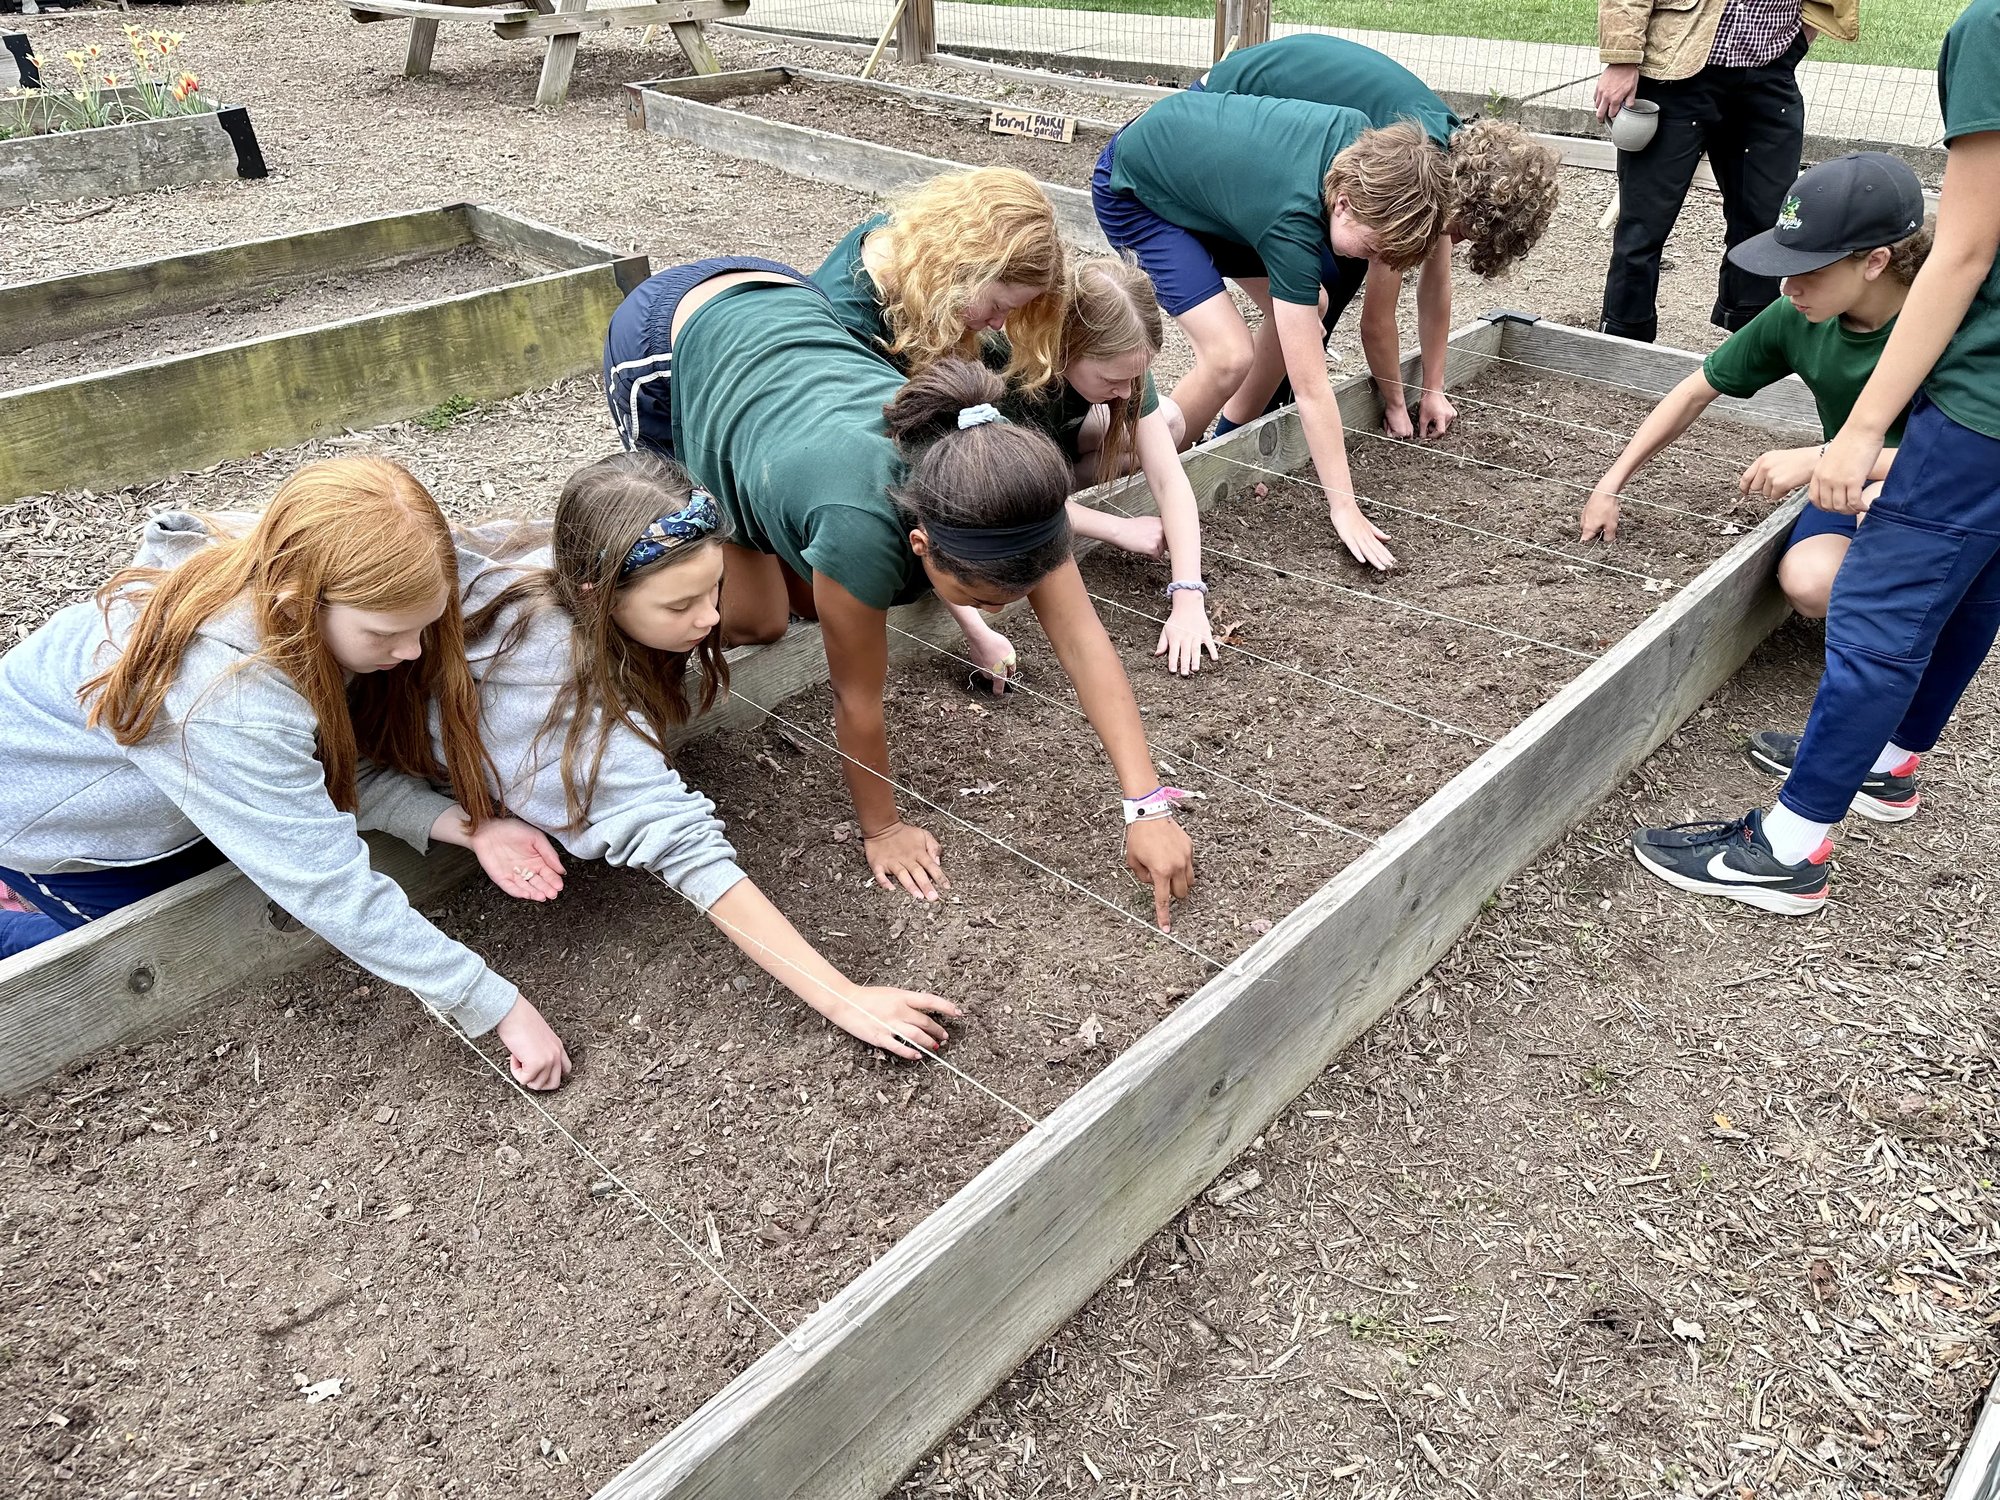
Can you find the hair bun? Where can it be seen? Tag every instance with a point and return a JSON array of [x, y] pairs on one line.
[[929, 405]]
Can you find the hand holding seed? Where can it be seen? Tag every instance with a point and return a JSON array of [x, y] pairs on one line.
[[518, 858], [1600, 515]]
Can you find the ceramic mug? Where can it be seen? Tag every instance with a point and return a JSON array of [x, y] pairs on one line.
[[1634, 126]]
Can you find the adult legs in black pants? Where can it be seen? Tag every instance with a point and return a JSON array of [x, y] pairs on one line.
[[1751, 124]]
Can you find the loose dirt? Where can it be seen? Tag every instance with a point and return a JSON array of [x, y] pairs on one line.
[[278, 309], [933, 129]]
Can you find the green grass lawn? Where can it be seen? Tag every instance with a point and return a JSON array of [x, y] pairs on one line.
[[1900, 33]]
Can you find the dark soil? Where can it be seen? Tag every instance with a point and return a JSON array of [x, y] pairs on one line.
[[932, 130], [280, 309], [317, 1182]]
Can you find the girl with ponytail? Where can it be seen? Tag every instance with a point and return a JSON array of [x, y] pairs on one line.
[[1107, 417], [259, 693], [848, 491]]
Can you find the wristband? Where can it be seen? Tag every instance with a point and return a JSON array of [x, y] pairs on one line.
[[1189, 585], [1158, 803]]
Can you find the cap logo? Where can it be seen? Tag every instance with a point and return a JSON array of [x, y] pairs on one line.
[[1788, 216]]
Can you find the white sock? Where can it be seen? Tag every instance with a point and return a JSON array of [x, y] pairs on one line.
[[1790, 836], [1892, 756]]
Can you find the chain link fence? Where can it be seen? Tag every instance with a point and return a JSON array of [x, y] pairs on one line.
[[1534, 61]]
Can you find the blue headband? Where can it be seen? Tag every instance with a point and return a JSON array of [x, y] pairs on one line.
[[697, 519]]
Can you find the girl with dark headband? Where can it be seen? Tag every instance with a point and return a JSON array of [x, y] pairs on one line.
[[589, 649], [848, 492]]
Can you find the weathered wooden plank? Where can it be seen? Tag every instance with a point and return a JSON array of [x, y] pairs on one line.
[[138, 971], [694, 46], [1977, 1476], [898, 1357], [533, 245], [92, 300], [114, 160], [423, 43], [821, 154], [139, 422], [612, 18], [435, 10]]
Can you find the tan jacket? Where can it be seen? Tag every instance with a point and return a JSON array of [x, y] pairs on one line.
[[1672, 38]]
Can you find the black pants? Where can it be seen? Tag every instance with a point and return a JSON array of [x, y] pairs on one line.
[[1751, 124]]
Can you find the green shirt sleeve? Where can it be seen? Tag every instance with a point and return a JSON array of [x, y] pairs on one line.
[[864, 551], [1149, 396], [1756, 355], [1969, 73]]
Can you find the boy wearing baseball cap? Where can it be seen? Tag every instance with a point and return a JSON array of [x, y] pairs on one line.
[[1917, 603], [1848, 242]]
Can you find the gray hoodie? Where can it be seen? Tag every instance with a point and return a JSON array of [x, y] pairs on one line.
[[232, 759], [642, 814]]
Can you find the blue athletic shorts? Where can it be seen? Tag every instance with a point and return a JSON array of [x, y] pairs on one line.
[[1813, 522], [638, 349], [1186, 268]]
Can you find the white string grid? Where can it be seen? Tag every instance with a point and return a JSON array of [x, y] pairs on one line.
[[1325, 682], [1017, 686], [1576, 558]]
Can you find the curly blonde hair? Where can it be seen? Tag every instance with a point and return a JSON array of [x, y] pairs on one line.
[[1397, 184], [1504, 187], [953, 237]]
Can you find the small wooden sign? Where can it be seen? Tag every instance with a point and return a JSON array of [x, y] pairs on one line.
[[1033, 124]]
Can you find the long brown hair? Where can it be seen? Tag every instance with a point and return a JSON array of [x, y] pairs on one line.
[[956, 235], [604, 509], [360, 532], [1113, 311]]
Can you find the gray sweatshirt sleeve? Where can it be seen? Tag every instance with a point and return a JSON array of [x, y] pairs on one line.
[[255, 788], [643, 814], [397, 803]]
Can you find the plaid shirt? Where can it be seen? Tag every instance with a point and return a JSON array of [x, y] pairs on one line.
[[1754, 33]]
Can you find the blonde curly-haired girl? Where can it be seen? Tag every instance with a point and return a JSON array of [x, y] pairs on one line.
[[963, 257]]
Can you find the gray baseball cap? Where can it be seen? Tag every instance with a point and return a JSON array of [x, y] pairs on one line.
[[1860, 201]]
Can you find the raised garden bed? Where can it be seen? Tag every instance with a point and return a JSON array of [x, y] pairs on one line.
[[822, 125], [809, 1159], [292, 338], [39, 165]]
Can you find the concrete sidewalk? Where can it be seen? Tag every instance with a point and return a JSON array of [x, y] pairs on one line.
[[1843, 101]]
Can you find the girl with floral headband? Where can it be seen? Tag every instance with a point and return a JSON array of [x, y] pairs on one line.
[[589, 650]]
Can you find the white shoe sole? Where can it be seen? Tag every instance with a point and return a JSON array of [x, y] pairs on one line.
[[1872, 808], [1781, 903]]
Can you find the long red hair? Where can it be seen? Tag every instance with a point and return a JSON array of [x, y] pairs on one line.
[[355, 531]]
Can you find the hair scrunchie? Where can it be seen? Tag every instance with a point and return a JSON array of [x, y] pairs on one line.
[[978, 416]]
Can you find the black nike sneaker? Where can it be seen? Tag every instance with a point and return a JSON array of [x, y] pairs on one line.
[[1885, 797], [1734, 860]]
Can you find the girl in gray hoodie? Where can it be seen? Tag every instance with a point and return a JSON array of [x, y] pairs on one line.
[[261, 698], [586, 649]]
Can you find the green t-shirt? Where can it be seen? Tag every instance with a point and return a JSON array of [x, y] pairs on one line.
[[778, 414], [1833, 362], [1965, 382], [1333, 70], [856, 300], [1243, 169]]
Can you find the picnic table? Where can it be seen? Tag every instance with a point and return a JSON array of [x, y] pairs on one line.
[[563, 22]]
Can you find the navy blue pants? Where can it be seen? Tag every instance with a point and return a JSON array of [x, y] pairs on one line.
[[1915, 608], [639, 347], [65, 902]]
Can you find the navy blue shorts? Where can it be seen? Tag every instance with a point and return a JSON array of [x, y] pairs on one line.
[[638, 349], [1813, 522], [1186, 268]]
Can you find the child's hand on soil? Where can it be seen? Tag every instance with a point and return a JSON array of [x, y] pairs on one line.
[[518, 858], [1187, 633], [904, 854], [1158, 854], [1396, 421], [1776, 474], [1363, 537], [994, 655], [535, 1053], [1600, 516], [1435, 414], [900, 1021], [1144, 535]]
